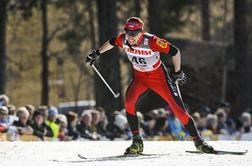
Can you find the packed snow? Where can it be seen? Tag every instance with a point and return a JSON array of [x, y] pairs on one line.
[[66, 154]]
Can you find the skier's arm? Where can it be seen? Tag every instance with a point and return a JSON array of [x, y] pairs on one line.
[[105, 47], [118, 41], [114, 41], [163, 46], [176, 60]]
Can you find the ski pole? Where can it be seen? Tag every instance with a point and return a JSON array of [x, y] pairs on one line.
[[114, 94], [177, 85]]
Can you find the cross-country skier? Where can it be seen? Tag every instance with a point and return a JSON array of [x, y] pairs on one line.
[[143, 50]]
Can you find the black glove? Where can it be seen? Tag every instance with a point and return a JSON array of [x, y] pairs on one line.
[[180, 77], [91, 58]]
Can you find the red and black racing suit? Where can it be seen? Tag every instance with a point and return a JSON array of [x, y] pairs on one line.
[[150, 73]]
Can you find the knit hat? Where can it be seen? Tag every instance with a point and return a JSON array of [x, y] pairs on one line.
[[121, 121], [4, 110], [37, 113], [52, 111], [22, 111]]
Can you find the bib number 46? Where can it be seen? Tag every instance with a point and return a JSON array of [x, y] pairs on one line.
[[138, 60]]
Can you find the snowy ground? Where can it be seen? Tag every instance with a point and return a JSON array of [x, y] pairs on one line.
[[65, 154]]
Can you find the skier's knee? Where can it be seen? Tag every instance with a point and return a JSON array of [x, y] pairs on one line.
[[130, 107]]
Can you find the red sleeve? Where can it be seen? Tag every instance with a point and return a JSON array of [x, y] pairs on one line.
[[159, 45], [119, 40]]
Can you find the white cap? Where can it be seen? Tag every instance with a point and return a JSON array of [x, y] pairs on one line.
[[4, 110], [22, 111], [121, 121]]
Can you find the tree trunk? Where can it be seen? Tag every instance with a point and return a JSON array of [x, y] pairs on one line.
[[108, 64], [137, 7], [224, 54], [153, 17], [44, 55], [90, 9], [91, 22], [3, 19], [205, 24], [242, 87]]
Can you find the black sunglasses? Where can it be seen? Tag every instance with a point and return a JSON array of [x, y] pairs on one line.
[[133, 33]]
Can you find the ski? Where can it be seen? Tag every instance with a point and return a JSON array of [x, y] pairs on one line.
[[119, 157], [220, 152]]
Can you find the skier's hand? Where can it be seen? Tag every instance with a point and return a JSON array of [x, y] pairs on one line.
[[91, 58], [180, 77]]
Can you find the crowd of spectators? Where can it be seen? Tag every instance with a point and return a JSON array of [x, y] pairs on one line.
[[46, 123]]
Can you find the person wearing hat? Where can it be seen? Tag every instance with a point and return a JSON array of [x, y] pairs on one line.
[[52, 115], [40, 128], [31, 110], [143, 50], [4, 100], [11, 115], [21, 124]]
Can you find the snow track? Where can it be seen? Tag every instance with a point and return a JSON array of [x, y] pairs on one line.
[[101, 153]]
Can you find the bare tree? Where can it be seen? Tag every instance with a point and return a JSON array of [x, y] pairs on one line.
[[137, 7], [44, 54], [47, 37], [91, 22], [108, 64], [3, 19], [224, 54], [205, 23], [242, 87], [153, 17]]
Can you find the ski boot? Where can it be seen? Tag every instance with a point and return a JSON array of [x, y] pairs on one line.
[[136, 147], [203, 147]]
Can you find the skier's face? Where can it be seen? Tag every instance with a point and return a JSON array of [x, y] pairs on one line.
[[133, 35]]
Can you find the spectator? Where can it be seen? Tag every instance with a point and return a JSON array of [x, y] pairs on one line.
[[21, 124], [103, 123], [222, 118], [121, 121], [44, 110], [84, 126], [61, 120], [161, 124], [95, 120], [144, 128], [202, 123], [3, 121], [5, 125], [52, 113], [196, 117], [40, 129], [175, 126], [231, 125], [246, 122], [72, 119], [4, 100], [12, 115], [149, 123], [113, 131], [31, 110], [211, 127], [212, 123]]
